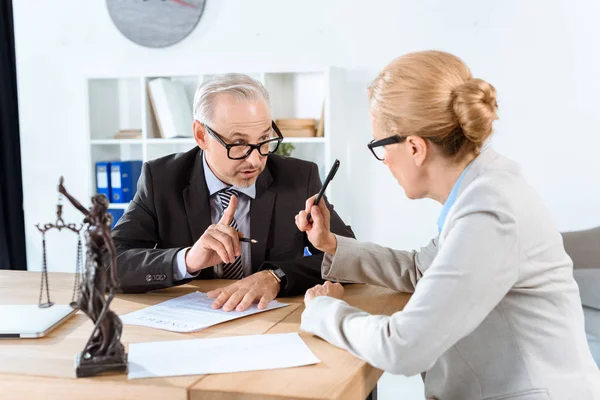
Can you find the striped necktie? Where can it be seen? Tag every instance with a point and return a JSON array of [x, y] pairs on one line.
[[232, 270]]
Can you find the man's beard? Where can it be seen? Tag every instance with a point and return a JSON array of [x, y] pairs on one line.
[[245, 182]]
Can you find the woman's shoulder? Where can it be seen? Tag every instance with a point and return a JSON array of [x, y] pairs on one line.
[[498, 188], [492, 174], [494, 189]]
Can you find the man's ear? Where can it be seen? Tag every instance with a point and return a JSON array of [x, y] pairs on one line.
[[200, 135], [418, 148]]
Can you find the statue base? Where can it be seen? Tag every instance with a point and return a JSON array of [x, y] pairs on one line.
[[100, 365]]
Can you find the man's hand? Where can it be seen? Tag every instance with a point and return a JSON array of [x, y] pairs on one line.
[[219, 243], [328, 289], [261, 286], [318, 228]]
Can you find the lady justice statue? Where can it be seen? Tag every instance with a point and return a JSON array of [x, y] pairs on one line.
[[103, 351]]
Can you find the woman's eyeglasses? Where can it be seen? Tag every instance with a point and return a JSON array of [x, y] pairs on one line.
[[376, 146]]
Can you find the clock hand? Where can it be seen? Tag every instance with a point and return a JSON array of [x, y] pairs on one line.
[[183, 3]]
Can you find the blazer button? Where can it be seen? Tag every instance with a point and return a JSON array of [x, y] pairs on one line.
[[148, 278]]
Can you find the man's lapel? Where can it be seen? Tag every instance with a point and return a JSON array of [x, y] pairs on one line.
[[261, 213], [196, 200]]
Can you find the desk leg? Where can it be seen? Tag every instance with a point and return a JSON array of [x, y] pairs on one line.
[[373, 394]]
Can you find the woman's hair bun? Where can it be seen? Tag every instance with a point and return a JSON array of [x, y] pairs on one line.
[[475, 106]]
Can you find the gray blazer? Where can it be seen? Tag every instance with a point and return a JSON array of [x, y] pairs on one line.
[[495, 312]]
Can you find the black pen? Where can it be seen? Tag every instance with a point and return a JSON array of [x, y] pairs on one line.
[[246, 240], [330, 176]]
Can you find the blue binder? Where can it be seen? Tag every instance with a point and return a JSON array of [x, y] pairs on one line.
[[103, 178], [116, 213], [123, 180]]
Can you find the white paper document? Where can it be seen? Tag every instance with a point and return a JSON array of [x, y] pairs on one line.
[[218, 355], [189, 313]]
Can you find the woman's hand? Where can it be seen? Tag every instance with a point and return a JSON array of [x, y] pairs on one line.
[[328, 289], [317, 229]]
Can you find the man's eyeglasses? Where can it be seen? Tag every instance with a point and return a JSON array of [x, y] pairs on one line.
[[376, 146], [243, 150]]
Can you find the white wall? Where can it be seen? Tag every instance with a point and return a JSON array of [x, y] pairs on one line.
[[542, 56]]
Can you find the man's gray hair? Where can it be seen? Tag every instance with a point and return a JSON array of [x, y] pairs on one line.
[[241, 87]]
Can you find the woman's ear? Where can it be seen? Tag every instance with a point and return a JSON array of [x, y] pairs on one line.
[[200, 135], [418, 148]]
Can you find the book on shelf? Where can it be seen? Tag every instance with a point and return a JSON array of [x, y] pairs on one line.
[[103, 178], [297, 127], [129, 134], [123, 180], [171, 107], [117, 180], [116, 214], [321, 124]]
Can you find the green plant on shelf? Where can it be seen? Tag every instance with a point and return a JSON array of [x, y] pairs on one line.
[[285, 149]]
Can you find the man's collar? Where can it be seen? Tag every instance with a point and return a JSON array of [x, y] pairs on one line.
[[215, 185]]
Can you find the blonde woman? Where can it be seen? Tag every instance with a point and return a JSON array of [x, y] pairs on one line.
[[495, 311]]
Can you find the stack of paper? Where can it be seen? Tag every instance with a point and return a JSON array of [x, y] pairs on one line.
[[219, 355], [189, 313]]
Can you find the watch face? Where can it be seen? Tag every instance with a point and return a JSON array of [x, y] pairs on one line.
[[155, 23], [280, 274]]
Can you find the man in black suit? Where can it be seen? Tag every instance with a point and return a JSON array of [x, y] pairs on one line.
[[191, 209]]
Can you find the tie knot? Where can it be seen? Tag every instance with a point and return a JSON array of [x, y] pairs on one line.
[[225, 195], [230, 191]]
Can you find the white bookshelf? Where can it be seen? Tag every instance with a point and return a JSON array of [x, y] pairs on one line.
[[122, 103], [108, 142], [191, 141], [121, 206]]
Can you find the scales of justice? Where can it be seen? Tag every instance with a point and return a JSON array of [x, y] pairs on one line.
[[93, 293]]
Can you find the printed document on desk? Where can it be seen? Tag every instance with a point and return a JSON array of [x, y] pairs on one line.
[[189, 313], [218, 355]]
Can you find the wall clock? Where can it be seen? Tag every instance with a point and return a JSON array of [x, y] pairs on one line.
[[155, 23]]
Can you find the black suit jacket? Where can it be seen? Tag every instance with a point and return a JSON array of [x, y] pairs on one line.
[[171, 210]]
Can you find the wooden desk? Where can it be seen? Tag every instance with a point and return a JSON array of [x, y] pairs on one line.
[[44, 368]]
